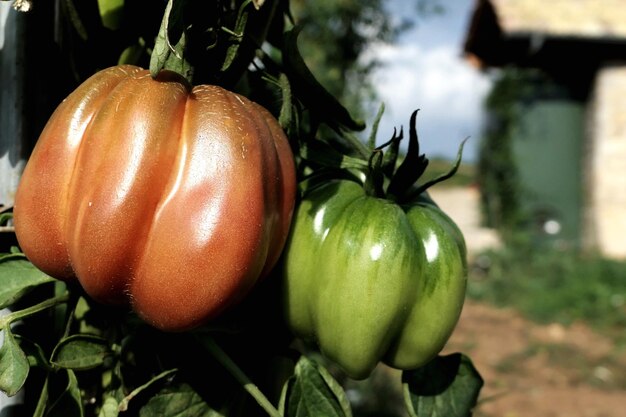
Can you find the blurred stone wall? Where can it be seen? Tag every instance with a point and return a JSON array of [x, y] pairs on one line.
[[605, 164]]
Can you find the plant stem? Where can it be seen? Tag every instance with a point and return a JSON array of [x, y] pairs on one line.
[[43, 400], [29, 311], [123, 405], [237, 373]]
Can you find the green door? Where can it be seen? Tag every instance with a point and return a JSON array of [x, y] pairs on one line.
[[546, 148]]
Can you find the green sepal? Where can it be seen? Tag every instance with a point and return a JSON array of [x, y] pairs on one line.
[[391, 150], [411, 169], [416, 191], [375, 178]]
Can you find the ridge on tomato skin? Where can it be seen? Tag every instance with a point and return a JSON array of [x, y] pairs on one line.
[[368, 279], [171, 198]]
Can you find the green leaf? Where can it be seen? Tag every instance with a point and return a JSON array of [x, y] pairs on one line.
[[169, 47], [69, 403], [109, 408], [236, 36], [34, 353], [111, 12], [182, 402], [80, 352], [312, 391], [310, 91], [448, 386], [336, 388], [13, 365], [17, 277]]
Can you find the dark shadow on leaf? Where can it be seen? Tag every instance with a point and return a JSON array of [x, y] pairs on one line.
[[435, 377]]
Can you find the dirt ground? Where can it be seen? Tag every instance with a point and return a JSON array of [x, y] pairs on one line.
[[530, 369], [540, 370]]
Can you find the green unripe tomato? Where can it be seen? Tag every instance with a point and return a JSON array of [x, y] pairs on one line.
[[370, 280]]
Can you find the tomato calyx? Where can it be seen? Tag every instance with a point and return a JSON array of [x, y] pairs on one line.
[[379, 174], [402, 182], [381, 164], [412, 168]]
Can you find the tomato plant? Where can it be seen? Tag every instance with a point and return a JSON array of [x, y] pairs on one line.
[[162, 202]]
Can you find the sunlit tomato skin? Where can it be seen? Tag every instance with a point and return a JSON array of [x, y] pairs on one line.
[[369, 280], [173, 199]]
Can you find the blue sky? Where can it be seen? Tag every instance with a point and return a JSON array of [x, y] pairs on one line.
[[425, 69]]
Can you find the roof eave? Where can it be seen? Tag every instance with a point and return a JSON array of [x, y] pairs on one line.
[[488, 45]]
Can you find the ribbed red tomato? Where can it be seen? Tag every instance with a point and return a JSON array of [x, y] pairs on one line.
[[173, 199]]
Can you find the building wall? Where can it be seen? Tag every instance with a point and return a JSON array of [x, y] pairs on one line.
[[605, 163]]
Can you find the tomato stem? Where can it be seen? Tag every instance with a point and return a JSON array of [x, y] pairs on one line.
[[375, 179], [218, 353], [44, 305], [123, 405]]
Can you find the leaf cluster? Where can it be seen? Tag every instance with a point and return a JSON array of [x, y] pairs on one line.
[[86, 359]]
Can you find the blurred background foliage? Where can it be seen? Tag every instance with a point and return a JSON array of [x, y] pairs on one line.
[[553, 285], [336, 34]]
